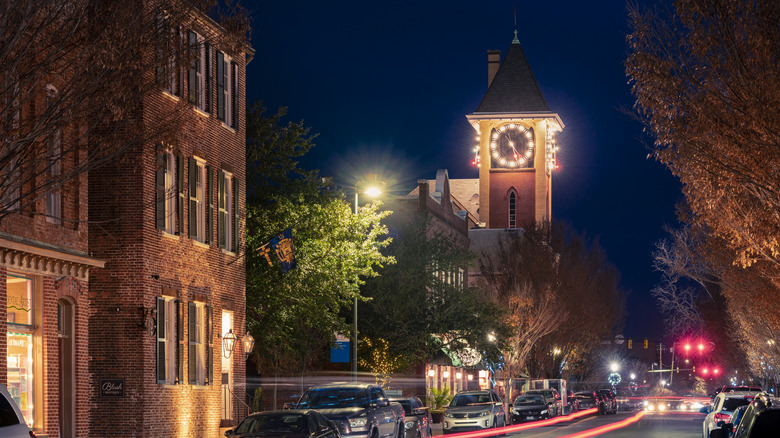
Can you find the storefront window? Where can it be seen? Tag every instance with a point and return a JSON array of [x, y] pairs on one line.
[[20, 342], [20, 372], [20, 300]]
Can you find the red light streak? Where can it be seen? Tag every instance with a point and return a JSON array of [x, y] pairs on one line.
[[607, 427], [519, 427]]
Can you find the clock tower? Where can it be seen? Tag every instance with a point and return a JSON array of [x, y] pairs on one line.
[[516, 147]]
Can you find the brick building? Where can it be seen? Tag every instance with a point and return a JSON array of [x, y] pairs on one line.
[[120, 329]]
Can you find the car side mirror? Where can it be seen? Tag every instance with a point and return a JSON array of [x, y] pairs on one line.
[[228, 432], [704, 410]]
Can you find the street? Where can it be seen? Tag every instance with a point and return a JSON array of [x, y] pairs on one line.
[[650, 425]]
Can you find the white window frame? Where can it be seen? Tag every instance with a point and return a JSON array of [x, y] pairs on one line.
[[197, 339], [228, 91], [200, 198], [54, 152], [228, 211], [171, 339], [171, 193]]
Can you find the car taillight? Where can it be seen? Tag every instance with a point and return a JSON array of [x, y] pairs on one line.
[[722, 417]]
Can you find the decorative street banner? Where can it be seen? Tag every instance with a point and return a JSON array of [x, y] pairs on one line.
[[283, 246], [339, 352]]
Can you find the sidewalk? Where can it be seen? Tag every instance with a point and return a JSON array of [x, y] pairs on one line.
[[436, 429]]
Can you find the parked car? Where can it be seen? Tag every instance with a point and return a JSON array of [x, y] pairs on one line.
[[735, 388], [474, 410], [553, 399], [12, 424], [607, 401], [288, 423], [572, 401], [761, 419], [360, 410], [586, 399], [418, 419], [719, 413], [530, 407]]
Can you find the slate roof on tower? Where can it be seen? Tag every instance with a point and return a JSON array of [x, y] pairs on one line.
[[514, 88]]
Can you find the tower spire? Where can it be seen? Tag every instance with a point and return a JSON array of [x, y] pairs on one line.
[[515, 41], [514, 10]]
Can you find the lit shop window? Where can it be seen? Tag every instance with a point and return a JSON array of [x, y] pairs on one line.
[[20, 337], [20, 300], [20, 372]]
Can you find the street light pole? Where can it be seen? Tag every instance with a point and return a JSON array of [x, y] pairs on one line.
[[354, 317], [373, 188]]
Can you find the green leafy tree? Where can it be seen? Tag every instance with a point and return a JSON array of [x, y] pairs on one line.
[[294, 316], [417, 307]]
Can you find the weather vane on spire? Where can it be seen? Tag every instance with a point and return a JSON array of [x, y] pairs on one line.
[[514, 10]]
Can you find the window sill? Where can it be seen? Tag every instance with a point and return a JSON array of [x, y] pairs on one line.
[[172, 96], [201, 112], [199, 386], [169, 235], [226, 126], [200, 244], [169, 385], [226, 252]]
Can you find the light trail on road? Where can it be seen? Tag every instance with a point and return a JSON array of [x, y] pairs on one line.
[[526, 426], [607, 427]]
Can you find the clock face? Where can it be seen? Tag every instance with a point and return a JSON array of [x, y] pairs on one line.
[[512, 147]]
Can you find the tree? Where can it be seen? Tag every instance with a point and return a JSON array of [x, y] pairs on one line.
[[295, 316], [583, 271], [707, 89], [73, 83], [414, 306]]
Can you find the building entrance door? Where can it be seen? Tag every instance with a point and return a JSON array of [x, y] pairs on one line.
[[66, 365]]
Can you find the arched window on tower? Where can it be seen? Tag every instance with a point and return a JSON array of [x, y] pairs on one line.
[[512, 209]]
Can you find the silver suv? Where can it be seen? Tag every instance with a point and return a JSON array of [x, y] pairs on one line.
[[474, 410]]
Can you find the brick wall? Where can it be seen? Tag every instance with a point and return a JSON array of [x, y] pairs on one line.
[[142, 261], [523, 182]]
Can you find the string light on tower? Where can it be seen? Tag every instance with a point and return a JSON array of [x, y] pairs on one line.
[[552, 149], [475, 162]]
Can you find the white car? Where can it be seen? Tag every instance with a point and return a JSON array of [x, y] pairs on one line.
[[722, 408], [12, 424]]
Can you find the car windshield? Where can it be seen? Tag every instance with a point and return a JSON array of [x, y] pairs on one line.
[[529, 400], [331, 398], [733, 403], [469, 399], [282, 422]]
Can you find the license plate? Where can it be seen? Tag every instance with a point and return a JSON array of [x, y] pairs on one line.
[[529, 418]]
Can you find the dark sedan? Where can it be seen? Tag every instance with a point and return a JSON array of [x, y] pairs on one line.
[[529, 407], [418, 420], [586, 399], [285, 424]]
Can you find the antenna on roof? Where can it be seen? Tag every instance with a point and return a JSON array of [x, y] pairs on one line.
[[514, 10]]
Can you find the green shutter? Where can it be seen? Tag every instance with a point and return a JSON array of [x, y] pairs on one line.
[[160, 340], [180, 189], [209, 78], [235, 215], [208, 321], [192, 354], [221, 218], [162, 166], [209, 202], [192, 78], [193, 193], [220, 86], [234, 83], [179, 341]]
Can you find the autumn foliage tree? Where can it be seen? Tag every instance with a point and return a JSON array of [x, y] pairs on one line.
[[707, 85]]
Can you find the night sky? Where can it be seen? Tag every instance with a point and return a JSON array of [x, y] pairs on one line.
[[387, 86]]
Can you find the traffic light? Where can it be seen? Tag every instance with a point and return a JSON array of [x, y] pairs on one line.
[[630, 344], [678, 370], [645, 344], [694, 369]]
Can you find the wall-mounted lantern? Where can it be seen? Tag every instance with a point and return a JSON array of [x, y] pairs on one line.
[[249, 343], [228, 343]]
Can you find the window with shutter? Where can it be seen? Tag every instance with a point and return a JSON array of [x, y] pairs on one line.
[[192, 77], [161, 340], [167, 340], [199, 343], [181, 195], [234, 96], [222, 213], [209, 204], [221, 86], [209, 78], [209, 359], [192, 334], [227, 206], [235, 216], [160, 176], [180, 342], [193, 194]]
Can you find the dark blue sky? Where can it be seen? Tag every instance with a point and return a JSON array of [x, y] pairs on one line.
[[388, 85]]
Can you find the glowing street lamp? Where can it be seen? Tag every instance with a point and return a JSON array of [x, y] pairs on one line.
[[372, 188], [614, 367]]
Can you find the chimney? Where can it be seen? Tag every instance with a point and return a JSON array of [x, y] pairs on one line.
[[494, 61]]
